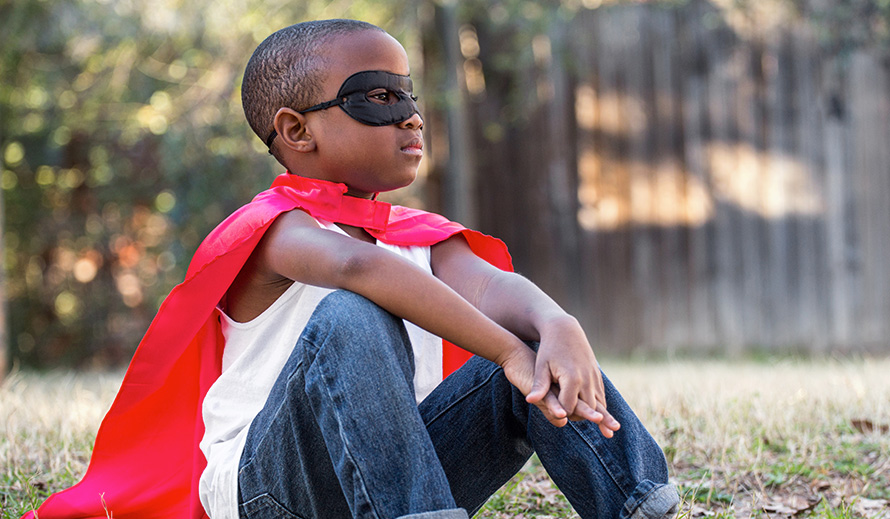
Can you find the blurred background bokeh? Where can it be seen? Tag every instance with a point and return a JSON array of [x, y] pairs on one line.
[[686, 176]]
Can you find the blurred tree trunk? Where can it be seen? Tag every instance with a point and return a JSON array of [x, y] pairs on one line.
[[458, 186], [4, 348]]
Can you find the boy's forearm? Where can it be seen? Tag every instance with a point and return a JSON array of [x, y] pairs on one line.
[[413, 294], [520, 306], [509, 299]]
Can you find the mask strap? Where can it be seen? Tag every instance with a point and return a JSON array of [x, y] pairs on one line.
[[324, 106], [270, 139], [320, 106]]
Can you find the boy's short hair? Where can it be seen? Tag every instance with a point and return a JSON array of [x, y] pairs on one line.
[[287, 69]]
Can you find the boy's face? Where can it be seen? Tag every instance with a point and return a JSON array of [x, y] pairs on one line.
[[368, 159]]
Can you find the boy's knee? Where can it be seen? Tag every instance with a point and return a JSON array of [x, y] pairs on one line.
[[350, 330], [357, 319], [345, 298], [352, 308]]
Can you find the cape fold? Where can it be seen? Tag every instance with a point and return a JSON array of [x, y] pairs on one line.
[[146, 462]]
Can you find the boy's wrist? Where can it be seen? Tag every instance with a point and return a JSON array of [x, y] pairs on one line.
[[556, 322], [514, 349]]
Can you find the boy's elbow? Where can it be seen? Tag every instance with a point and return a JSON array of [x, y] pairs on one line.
[[353, 268]]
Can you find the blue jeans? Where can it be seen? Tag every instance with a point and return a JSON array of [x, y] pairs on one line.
[[341, 435]]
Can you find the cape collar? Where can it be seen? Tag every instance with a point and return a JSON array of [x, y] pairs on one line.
[[329, 201]]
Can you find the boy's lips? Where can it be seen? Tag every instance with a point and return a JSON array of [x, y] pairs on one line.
[[414, 147]]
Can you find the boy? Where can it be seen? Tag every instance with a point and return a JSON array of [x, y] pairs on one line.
[[354, 420]]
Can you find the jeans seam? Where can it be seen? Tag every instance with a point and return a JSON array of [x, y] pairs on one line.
[[277, 411], [601, 460], [464, 396], [242, 508], [347, 449]]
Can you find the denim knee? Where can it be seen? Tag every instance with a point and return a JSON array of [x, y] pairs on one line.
[[348, 319], [352, 307], [350, 314]]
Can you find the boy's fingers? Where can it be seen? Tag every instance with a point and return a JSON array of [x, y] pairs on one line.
[[607, 423], [600, 388], [552, 410], [585, 412], [553, 405], [535, 395], [596, 399], [568, 397], [540, 385], [608, 420]]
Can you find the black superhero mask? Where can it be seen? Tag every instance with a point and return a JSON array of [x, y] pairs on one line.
[[391, 101]]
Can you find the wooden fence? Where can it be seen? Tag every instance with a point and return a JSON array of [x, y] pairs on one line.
[[687, 180]]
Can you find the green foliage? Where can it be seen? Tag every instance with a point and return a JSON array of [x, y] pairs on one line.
[[846, 25], [842, 511], [123, 143]]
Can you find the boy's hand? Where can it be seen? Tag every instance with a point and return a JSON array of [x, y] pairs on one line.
[[519, 368], [566, 367]]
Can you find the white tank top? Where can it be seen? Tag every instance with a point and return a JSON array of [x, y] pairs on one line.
[[254, 354]]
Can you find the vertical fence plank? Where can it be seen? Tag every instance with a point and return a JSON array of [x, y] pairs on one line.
[[813, 309], [721, 96], [698, 194], [747, 130], [670, 197], [882, 172], [459, 187], [837, 204], [636, 60], [780, 208], [585, 115], [869, 170], [561, 171]]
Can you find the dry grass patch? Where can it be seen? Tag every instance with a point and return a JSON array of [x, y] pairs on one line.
[[770, 439], [47, 427], [744, 439]]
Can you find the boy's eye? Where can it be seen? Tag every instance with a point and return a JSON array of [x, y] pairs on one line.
[[383, 96]]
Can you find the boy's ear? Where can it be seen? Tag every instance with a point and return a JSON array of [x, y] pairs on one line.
[[292, 130]]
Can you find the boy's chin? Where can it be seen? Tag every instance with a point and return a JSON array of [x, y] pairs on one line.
[[395, 180], [398, 184]]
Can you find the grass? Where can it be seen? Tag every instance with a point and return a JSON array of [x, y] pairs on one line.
[[47, 427], [763, 439]]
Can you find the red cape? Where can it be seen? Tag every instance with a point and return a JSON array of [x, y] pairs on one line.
[[146, 462]]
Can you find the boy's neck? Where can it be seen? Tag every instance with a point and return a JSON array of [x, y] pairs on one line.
[[358, 194]]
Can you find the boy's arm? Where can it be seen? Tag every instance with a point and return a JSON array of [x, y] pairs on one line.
[[565, 361], [295, 247]]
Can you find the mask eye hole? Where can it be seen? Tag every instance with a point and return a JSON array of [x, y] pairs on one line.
[[382, 96]]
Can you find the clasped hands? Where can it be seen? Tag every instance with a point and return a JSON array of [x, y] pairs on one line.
[[562, 379]]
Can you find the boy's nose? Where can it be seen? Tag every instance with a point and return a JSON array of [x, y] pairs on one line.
[[415, 122]]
